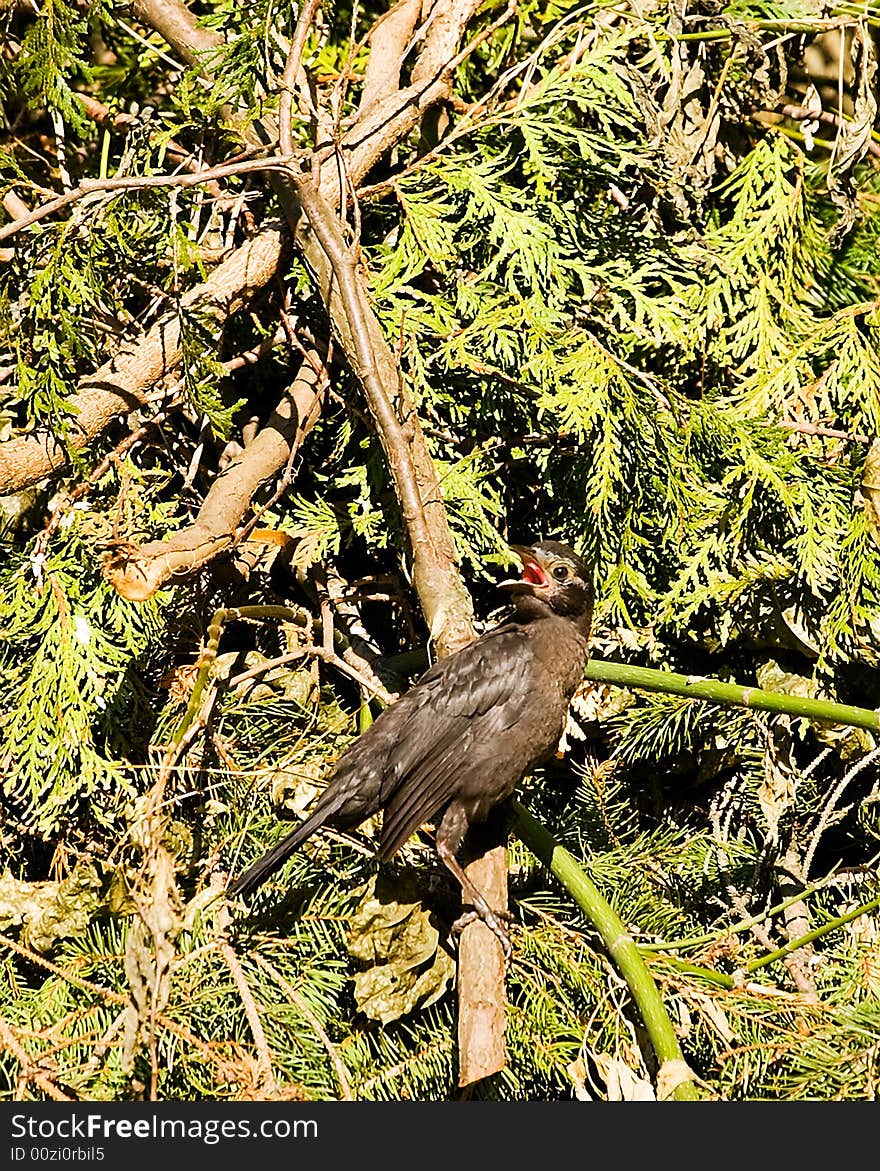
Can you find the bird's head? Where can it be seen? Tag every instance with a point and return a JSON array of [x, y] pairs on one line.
[[553, 578]]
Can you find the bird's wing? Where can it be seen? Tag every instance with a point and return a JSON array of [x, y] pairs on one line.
[[466, 703]]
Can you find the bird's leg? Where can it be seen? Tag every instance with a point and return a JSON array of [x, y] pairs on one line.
[[450, 834]]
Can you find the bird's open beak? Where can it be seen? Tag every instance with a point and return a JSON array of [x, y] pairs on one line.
[[533, 575]]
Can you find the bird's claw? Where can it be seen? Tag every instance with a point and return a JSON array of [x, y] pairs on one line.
[[494, 920]]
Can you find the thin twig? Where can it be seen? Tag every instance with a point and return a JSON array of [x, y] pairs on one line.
[[291, 69], [711, 937], [314, 652], [89, 187], [264, 1055], [824, 432], [178, 154], [86, 985], [805, 114], [30, 1072], [835, 796]]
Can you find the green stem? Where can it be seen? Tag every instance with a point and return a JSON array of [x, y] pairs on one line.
[[714, 691], [620, 945], [783, 26], [817, 933], [725, 981], [744, 925], [719, 978]]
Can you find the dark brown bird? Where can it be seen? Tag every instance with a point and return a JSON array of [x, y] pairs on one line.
[[462, 738]]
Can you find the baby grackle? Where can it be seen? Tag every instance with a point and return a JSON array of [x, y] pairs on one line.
[[462, 738]]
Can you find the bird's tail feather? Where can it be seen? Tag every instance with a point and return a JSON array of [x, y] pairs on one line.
[[275, 858]]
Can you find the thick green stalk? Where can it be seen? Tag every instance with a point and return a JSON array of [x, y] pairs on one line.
[[714, 691], [620, 945]]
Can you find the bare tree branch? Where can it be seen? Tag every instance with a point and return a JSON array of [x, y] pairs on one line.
[[177, 25], [267, 1084], [90, 187], [481, 990], [137, 571], [291, 72], [303, 1006]]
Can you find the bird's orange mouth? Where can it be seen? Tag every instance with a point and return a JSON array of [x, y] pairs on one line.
[[533, 572]]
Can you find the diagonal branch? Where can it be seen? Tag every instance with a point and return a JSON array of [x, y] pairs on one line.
[[445, 602], [267, 1085], [136, 572], [178, 26], [444, 599], [389, 38], [187, 178], [674, 1078], [291, 72]]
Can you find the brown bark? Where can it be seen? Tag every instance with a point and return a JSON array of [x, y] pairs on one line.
[[389, 38], [177, 25], [136, 572], [481, 990], [445, 601]]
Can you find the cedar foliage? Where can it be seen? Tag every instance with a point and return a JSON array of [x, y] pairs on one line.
[[636, 306]]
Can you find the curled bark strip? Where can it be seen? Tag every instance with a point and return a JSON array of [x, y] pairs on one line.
[[123, 382], [137, 571]]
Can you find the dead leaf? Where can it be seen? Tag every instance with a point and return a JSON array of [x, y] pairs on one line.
[[405, 968], [49, 911], [853, 138], [622, 1083], [577, 1071]]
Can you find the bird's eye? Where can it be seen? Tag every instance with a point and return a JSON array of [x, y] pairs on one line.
[[560, 572]]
